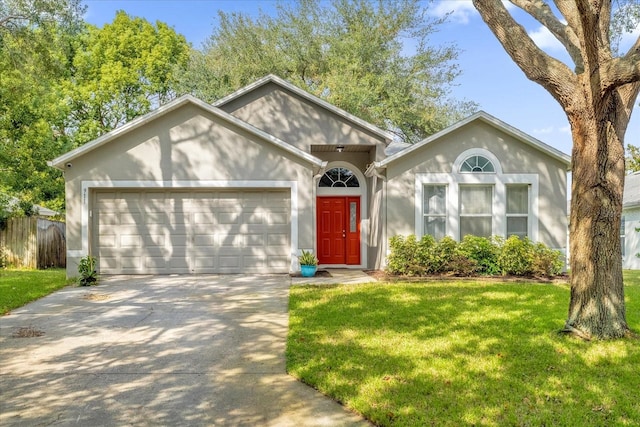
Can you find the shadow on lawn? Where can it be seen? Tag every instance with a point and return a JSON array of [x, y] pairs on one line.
[[470, 353]]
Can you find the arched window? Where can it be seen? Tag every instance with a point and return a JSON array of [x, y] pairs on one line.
[[339, 177], [477, 164]]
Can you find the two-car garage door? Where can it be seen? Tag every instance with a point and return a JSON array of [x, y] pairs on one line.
[[168, 231]]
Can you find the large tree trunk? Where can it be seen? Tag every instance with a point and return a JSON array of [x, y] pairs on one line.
[[598, 96], [597, 308]]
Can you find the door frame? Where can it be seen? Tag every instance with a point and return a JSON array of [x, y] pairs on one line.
[[346, 192]]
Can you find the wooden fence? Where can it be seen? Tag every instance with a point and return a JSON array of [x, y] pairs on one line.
[[31, 242]]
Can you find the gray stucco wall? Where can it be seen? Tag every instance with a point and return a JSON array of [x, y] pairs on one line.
[[187, 144], [299, 122], [515, 156]]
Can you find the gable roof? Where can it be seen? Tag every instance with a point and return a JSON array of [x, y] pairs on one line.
[[484, 117], [631, 196], [387, 136], [62, 160]]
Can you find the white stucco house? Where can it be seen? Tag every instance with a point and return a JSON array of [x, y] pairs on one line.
[[245, 184]]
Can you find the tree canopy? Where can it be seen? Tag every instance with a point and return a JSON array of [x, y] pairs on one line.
[[65, 82], [372, 59]]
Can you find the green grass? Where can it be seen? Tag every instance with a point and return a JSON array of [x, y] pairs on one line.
[[18, 287], [462, 353]]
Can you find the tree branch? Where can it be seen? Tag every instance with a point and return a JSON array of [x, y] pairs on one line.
[[620, 71], [542, 13], [539, 67], [7, 20]]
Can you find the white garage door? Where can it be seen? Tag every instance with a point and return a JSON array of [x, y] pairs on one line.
[[165, 232]]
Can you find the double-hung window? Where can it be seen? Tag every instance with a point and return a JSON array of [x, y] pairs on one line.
[[435, 210], [476, 210], [518, 210]]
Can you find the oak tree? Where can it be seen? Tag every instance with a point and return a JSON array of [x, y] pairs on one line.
[[597, 92], [373, 59]]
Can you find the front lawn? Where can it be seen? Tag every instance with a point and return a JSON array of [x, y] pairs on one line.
[[18, 287], [462, 353]]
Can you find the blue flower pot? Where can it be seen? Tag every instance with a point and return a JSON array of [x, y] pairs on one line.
[[308, 270]]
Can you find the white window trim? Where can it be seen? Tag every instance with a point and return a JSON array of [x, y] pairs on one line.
[[498, 179], [206, 184], [477, 152]]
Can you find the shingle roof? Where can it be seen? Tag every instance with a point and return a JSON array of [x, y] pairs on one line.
[[631, 190]]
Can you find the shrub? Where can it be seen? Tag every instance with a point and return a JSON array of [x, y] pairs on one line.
[[87, 271], [516, 256], [474, 255], [546, 262], [444, 253], [407, 257], [483, 251], [461, 265]]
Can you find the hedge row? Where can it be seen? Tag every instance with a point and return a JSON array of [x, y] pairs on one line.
[[474, 255]]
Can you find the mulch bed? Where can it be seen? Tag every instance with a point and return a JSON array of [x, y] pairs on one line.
[[382, 276]]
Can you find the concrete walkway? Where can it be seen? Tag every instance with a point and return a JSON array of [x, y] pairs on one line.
[[336, 276], [147, 351]]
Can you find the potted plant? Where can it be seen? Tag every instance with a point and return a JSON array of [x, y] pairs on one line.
[[308, 264]]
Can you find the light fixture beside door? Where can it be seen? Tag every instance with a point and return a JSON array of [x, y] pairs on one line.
[[340, 148]]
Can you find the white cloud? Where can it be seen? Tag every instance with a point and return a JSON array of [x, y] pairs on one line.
[[565, 129], [460, 11], [543, 131], [544, 39]]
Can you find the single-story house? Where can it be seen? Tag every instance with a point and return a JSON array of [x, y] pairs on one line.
[[630, 227], [245, 184]]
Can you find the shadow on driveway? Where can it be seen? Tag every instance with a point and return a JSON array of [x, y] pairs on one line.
[[157, 350]]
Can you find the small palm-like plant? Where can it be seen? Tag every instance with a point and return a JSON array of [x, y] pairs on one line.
[[87, 271], [307, 258]]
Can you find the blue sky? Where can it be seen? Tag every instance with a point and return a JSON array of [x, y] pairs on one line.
[[490, 78]]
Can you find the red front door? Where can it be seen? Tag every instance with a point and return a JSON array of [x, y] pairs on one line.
[[338, 230]]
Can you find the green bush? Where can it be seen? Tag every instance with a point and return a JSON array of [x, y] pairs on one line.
[[483, 251], [410, 256], [474, 255], [461, 265], [546, 262], [444, 253], [516, 257]]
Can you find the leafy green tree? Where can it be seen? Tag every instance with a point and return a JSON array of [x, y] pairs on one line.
[[597, 92], [121, 71], [633, 158], [35, 40], [64, 83], [373, 59]]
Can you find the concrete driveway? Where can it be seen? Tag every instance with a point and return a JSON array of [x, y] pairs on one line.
[[149, 350]]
